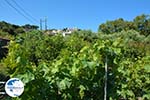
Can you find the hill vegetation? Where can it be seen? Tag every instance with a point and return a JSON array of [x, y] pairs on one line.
[[54, 67]]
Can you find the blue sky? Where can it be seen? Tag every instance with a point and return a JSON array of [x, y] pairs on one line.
[[84, 14]]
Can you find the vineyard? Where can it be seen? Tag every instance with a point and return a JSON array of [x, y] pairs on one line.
[[54, 67]]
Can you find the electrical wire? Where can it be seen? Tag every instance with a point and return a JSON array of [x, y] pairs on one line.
[[24, 11], [18, 11]]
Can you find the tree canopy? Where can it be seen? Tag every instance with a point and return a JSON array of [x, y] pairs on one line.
[[140, 23]]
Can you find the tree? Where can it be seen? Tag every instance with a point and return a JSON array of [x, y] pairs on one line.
[[29, 27], [142, 23], [115, 26]]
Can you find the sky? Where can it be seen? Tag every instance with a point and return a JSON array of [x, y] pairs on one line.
[[82, 14]]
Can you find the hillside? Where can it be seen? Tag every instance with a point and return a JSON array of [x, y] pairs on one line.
[[83, 65]]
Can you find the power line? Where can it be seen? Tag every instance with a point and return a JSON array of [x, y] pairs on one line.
[[24, 11], [18, 11]]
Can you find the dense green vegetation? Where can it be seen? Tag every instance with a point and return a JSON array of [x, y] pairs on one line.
[[73, 67], [8, 30], [140, 23]]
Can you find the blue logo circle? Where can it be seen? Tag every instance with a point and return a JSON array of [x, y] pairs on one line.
[[14, 87]]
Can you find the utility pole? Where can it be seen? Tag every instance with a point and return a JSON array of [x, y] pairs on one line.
[[45, 23], [41, 23], [106, 73]]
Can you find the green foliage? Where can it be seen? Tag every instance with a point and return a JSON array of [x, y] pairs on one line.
[[72, 67], [7, 29], [140, 23], [10, 29], [86, 35], [118, 25], [143, 24], [134, 78], [29, 27], [5, 35]]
